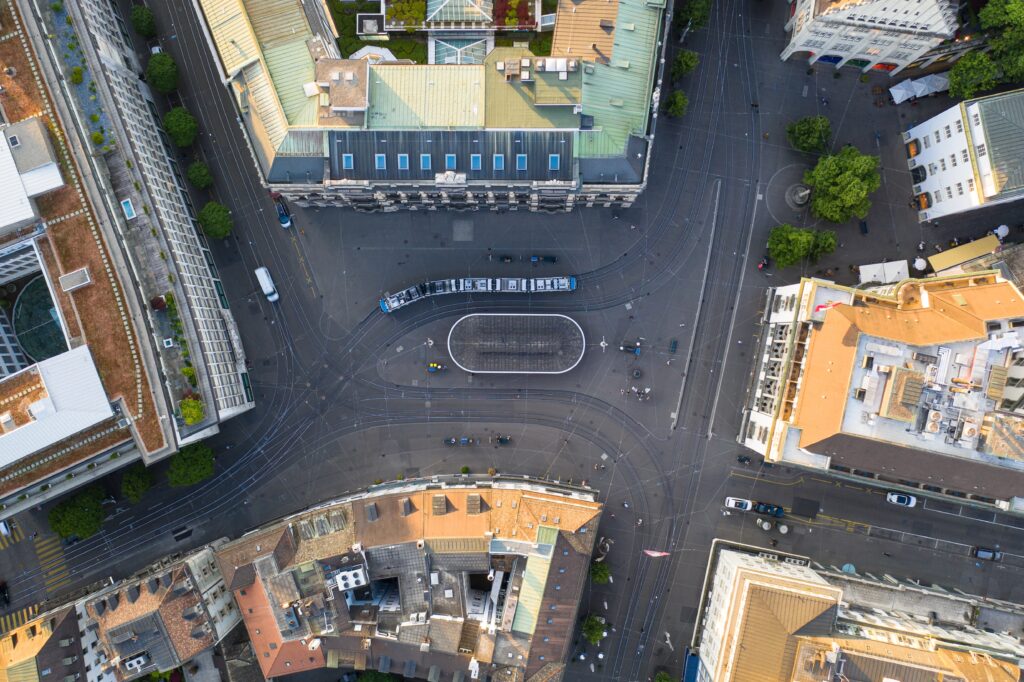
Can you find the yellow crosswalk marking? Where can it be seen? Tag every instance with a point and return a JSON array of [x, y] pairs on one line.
[[50, 554], [17, 535]]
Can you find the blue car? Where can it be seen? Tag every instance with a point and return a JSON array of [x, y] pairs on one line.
[[283, 216]]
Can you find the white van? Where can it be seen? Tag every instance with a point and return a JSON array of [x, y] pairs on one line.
[[267, 284]]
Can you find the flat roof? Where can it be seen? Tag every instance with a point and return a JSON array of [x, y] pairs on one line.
[[15, 209], [964, 253], [497, 343], [414, 96]]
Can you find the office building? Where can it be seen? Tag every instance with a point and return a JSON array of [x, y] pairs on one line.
[[915, 384], [480, 127], [968, 156]]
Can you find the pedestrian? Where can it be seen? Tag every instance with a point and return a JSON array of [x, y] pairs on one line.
[[886, 554], [774, 542]]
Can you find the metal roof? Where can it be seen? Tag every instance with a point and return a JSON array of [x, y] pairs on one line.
[[618, 94], [531, 592], [15, 208], [513, 103], [1002, 118], [437, 96], [74, 402], [516, 344]]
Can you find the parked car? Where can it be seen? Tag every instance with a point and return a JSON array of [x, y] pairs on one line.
[[543, 259], [451, 442], [769, 509], [283, 216], [986, 554], [434, 367], [504, 440], [901, 499], [738, 503], [631, 347], [863, 227], [466, 441], [507, 259], [673, 345], [5, 594]]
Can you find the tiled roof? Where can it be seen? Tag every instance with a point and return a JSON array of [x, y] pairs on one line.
[[585, 29]]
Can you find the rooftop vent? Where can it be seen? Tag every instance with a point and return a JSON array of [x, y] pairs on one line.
[[406, 505], [152, 585], [439, 505], [133, 593], [371, 512], [473, 503], [113, 601], [100, 606]]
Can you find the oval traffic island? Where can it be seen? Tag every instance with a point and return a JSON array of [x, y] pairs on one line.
[[499, 343]]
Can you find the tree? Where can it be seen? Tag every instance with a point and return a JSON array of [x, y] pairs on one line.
[[215, 219], [600, 574], [143, 21], [662, 676], [694, 12], [192, 410], [374, 676], [81, 515], [824, 243], [677, 104], [1003, 20], [842, 183], [593, 630], [810, 134], [181, 126], [788, 245], [77, 75], [192, 464], [162, 73], [685, 62], [410, 13], [135, 482], [199, 175], [971, 74]]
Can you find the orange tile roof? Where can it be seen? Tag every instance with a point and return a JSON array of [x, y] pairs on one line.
[[919, 313], [276, 657], [578, 30]]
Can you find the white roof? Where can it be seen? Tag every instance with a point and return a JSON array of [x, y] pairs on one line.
[[15, 207], [893, 271], [41, 180], [76, 401]]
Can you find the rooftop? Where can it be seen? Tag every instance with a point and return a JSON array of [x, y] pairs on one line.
[[585, 29], [439, 96], [1000, 149], [488, 343], [540, 94]]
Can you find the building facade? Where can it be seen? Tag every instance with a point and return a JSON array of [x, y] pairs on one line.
[[907, 384], [872, 35], [766, 616], [968, 156], [481, 127]]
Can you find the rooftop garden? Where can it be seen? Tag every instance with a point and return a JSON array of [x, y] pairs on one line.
[[413, 47]]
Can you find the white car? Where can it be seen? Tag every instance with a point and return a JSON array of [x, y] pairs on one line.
[[902, 499], [738, 503]]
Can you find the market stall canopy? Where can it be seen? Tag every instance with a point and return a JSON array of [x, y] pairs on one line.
[[902, 91], [935, 82]]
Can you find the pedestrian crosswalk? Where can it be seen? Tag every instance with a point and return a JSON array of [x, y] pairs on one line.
[[55, 572], [16, 536], [9, 621]]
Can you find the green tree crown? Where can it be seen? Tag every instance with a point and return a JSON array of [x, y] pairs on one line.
[[136, 481], [1004, 22], [600, 574], [162, 73], [192, 464], [81, 515], [143, 21], [181, 126], [677, 105], [215, 220], [593, 630], [810, 134], [842, 184], [685, 62], [199, 175], [973, 73]]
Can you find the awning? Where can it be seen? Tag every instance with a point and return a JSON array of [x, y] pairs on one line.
[[920, 89], [885, 273], [964, 253], [935, 82], [902, 91]]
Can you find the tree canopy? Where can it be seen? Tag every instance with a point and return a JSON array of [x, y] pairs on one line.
[[677, 104], [973, 73], [375, 676], [181, 126], [162, 73], [662, 676], [593, 630], [685, 62], [697, 12], [410, 13], [81, 515], [136, 481], [810, 134], [191, 410], [600, 574], [143, 21], [199, 175], [215, 219], [1004, 22], [192, 464], [788, 245], [842, 183]]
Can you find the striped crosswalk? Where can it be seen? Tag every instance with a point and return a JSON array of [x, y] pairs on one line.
[[55, 571], [16, 536], [9, 621]]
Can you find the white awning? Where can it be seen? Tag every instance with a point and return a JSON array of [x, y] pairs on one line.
[[885, 273]]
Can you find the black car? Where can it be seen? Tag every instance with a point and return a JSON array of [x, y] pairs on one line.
[[504, 440], [543, 259], [450, 442], [5, 594], [769, 509]]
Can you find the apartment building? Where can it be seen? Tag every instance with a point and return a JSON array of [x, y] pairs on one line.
[[968, 156], [445, 578], [874, 35], [45, 647], [914, 384], [766, 616], [481, 127], [161, 619]]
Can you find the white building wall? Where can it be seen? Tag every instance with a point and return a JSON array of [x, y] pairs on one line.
[[896, 32], [219, 602], [944, 153]]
